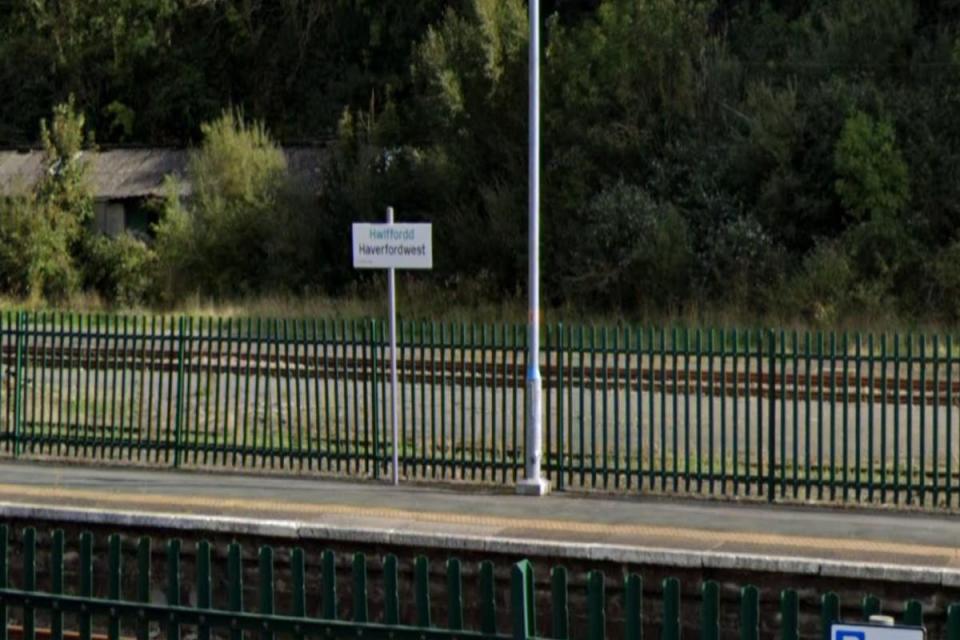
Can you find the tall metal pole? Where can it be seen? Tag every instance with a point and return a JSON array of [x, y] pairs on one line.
[[392, 298], [533, 483]]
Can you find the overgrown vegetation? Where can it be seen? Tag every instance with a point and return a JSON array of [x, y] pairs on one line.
[[42, 231], [226, 239], [777, 159]]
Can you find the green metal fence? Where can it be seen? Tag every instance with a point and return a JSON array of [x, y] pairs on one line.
[[771, 414], [109, 599]]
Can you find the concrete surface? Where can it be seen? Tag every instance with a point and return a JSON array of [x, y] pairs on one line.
[[898, 546]]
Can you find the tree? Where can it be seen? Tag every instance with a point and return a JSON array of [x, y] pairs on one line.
[[760, 145], [873, 177], [468, 132], [635, 253], [218, 242], [42, 232], [65, 188]]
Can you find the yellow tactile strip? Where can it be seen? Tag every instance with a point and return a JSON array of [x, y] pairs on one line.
[[709, 538]]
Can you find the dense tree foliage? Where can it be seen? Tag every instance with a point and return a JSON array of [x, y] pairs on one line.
[[770, 156], [42, 232], [152, 71]]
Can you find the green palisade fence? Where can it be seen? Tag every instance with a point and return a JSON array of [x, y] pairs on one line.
[[287, 606], [775, 415]]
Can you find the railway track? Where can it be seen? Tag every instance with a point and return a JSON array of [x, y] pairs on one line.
[[930, 383]]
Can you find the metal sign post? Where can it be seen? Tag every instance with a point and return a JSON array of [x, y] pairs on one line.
[[392, 310], [393, 246]]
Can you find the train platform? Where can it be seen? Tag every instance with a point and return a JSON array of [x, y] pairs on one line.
[[877, 545]]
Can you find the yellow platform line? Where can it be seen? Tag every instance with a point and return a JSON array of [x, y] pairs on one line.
[[709, 538]]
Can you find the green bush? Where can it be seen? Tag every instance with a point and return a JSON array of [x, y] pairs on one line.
[[742, 264], [631, 251], [944, 274], [41, 232], [35, 252], [820, 292], [121, 269], [219, 241], [873, 177]]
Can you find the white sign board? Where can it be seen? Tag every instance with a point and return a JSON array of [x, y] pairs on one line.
[[392, 246], [874, 632]]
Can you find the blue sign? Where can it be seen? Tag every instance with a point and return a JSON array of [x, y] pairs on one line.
[[867, 631]]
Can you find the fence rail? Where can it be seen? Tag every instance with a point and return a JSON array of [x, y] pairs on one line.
[[109, 599], [773, 414]]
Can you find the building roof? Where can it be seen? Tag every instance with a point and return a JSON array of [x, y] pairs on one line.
[[117, 174], [134, 173], [19, 171]]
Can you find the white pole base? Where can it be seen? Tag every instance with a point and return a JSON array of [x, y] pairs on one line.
[[533, 487]]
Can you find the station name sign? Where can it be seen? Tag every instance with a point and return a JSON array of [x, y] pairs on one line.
[[392, 246], [875, 632]]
